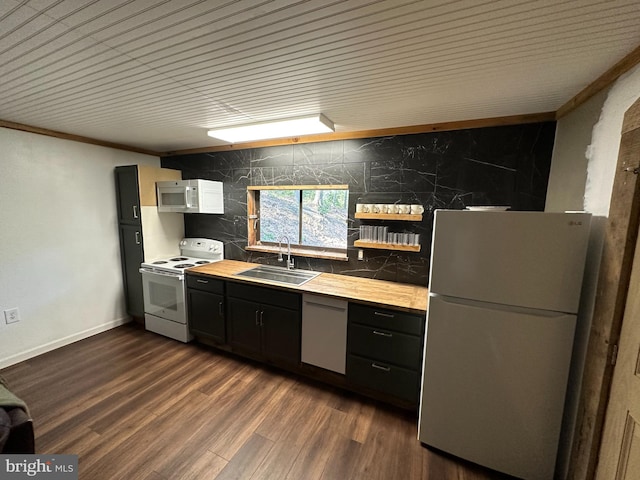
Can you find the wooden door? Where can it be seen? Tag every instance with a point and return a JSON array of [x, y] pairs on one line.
[[612, 293], [620, 451]]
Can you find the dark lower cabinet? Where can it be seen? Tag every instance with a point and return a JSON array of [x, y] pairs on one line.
[[384, 377], [268, 326], [132, 255], [384, 351], [281, 329], [384, 346], [244, 325], [205, 307]]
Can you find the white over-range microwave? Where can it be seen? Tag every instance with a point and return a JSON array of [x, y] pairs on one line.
[[190, 196]]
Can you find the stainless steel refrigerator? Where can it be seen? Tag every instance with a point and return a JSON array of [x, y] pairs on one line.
[[504, 291]]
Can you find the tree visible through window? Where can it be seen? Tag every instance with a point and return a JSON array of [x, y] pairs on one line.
[[308, 217], [280, 215]]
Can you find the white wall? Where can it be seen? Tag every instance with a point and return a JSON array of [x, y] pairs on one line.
[[605, 144], [601, 153], [568, 175], [59, 247]]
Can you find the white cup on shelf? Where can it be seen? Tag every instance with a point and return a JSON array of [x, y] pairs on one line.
[[417, 209]]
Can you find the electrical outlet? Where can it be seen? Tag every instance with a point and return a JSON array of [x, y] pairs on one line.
[[11, 315]]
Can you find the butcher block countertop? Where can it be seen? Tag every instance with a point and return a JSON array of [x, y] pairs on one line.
[[400, 296]]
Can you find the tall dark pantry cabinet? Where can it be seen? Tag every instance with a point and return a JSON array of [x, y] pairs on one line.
[[144, 234]]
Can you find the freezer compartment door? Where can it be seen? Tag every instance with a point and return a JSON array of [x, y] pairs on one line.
[[529, 259], [494, 384]]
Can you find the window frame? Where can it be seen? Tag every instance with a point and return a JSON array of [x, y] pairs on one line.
[[253, 224]]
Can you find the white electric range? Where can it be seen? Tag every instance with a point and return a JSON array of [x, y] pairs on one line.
[[164, 286]]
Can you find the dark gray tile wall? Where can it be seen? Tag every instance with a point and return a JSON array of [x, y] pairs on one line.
[[485, 166]]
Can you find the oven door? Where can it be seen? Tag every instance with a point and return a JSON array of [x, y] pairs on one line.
[[164, 295]]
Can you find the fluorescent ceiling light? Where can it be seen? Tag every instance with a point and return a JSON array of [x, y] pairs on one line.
[[292, 127]]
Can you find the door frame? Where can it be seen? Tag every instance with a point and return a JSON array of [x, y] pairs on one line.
[[620, 237]]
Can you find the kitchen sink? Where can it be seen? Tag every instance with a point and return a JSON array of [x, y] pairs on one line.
[[279, 274]]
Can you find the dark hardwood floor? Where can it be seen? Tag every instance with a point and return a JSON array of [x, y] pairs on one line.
[[135, 405]]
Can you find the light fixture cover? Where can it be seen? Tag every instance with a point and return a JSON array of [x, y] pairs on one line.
[[291, 127]]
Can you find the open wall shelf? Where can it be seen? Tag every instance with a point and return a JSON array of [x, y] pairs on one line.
[[389, 216], [386, 246]]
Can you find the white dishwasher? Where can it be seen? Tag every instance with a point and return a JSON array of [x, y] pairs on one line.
[[324, 332]]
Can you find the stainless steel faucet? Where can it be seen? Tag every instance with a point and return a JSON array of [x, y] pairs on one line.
[[290, 265]]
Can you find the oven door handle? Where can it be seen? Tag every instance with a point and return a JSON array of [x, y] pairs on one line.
[[178, 276]]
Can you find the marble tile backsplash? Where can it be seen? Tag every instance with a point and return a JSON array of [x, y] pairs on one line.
[[486, 166]]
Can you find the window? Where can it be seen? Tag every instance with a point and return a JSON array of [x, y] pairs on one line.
[[312, 217]]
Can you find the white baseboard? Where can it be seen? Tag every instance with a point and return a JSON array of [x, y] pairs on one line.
[[39, 350]]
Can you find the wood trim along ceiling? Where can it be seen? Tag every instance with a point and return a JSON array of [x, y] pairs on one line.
[[75, 138], [383, 132], [602, 82]]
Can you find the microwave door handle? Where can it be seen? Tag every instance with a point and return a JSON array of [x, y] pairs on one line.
[[186, 197]]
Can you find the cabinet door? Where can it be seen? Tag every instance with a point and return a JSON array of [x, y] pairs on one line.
[[132, 253], [244, 324], [281, 334], [206, 314], [127, 194]]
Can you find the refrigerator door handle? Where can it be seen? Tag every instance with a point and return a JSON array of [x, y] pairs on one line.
[[498, 306]]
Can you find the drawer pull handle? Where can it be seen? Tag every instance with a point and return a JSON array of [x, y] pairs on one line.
[[383, 334], [381, 367], [202, 281], [382, 314], [220, 309]]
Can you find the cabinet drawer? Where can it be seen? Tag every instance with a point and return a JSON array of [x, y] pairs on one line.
[[206, 284], [387, 319], [397, 381], [269, 296], [385, 345]]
